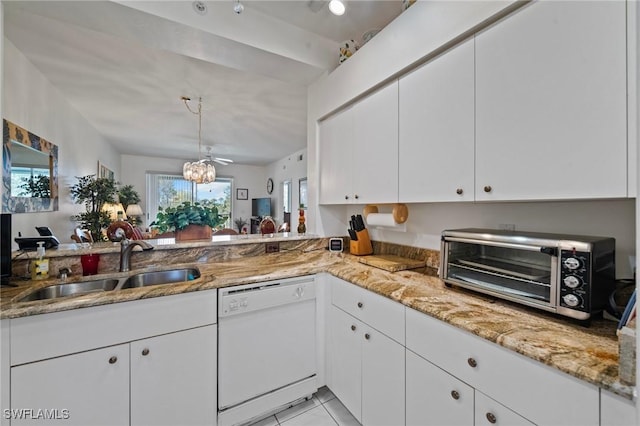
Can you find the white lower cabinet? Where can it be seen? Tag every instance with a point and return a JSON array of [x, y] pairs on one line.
[[367, 367], [537, 393], [346, 360], [616, 410], [435, 397], [146, 362], [173, 378], [89, 388]]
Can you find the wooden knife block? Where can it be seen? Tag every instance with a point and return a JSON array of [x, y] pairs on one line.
[[362, 246]]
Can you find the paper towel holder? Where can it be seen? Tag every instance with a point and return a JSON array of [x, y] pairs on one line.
[[400, 211]]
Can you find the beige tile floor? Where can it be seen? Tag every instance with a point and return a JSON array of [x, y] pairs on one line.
[[323, 409]]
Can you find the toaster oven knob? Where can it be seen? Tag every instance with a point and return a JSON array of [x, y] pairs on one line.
[[571, 300], [572, 281], [571, 263]]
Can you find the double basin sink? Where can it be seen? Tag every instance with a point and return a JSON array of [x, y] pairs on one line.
[[142, 279]]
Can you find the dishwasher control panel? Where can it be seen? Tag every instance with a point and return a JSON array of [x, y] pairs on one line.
[[255, 297]]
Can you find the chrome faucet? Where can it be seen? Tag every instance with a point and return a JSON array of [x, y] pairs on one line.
[[126, 250]]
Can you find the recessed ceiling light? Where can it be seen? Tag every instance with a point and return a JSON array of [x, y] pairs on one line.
[[336, 7], [200, 7]]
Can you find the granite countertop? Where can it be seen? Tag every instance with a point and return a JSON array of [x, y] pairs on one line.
[[590, 354]]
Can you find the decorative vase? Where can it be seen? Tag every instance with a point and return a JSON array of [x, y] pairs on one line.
[[194, 233], [302, 228]]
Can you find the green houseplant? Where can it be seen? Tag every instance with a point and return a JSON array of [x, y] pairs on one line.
[[94, 193], [128, 195], [187, 215]]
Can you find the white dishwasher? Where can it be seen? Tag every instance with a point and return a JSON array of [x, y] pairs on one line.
[[266, 347]]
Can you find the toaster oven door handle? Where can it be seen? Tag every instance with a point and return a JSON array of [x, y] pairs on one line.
[[551, 251], [494, 243]]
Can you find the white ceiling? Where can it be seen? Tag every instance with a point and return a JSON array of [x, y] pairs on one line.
[[125, 64]]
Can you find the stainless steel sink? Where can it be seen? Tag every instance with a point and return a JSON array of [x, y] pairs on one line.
[[71, 289], [161, 277], [142, 279]]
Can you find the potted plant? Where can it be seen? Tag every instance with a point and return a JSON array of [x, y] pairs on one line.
[[94, 193], [240, 222], [127, 195], [190, 221]]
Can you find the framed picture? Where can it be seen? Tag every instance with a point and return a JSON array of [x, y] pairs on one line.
[[302, 193], [105, 172], [242, 194]]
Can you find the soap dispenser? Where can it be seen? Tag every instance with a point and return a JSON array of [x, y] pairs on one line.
[[40, 270]]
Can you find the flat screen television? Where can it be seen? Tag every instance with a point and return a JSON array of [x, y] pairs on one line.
[[5, 247], [261, 207]]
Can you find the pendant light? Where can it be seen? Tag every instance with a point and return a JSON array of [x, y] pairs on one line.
[[200, 171]]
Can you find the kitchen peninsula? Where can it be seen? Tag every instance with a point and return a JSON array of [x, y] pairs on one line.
[[588, 354]]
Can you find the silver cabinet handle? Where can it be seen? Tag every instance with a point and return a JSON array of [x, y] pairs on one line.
[[492, 418], [487, 188], [455, 394], [353, 328], [459, 191], [472, 362], [145, 352], [367, 336], [113, 359]]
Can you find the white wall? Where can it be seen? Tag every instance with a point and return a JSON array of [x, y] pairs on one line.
[[609, 218], [32, 102], [134, 169], [292, 167]]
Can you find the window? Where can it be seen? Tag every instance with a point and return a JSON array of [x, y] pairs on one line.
[[286, 196], [165, 190], [217, 193]]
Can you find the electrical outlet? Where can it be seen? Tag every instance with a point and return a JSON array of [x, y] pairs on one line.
[[507, 226], [273, 247]]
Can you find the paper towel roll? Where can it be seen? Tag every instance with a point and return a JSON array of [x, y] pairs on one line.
[[381, 219]]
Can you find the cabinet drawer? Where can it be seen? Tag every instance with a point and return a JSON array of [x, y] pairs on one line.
[[381, 313], [489, 412], [49, 335], [537, 392]]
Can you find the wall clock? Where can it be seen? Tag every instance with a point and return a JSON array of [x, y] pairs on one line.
[[269, 185]]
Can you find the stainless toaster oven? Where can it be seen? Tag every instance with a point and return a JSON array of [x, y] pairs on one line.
[[570, 275]]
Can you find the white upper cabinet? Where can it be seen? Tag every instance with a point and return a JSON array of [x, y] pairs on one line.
[[551, 103], [436, 128], [336, 153], [375, 160], [359, 151]]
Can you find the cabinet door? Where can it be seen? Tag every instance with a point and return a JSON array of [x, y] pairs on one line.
[[375, 154], [436, 160], [345, 358], [173, 378], [488, 412], [551, 103], [336, 153], [435, 397], [616, 410], [88, 388], [382, 379]]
